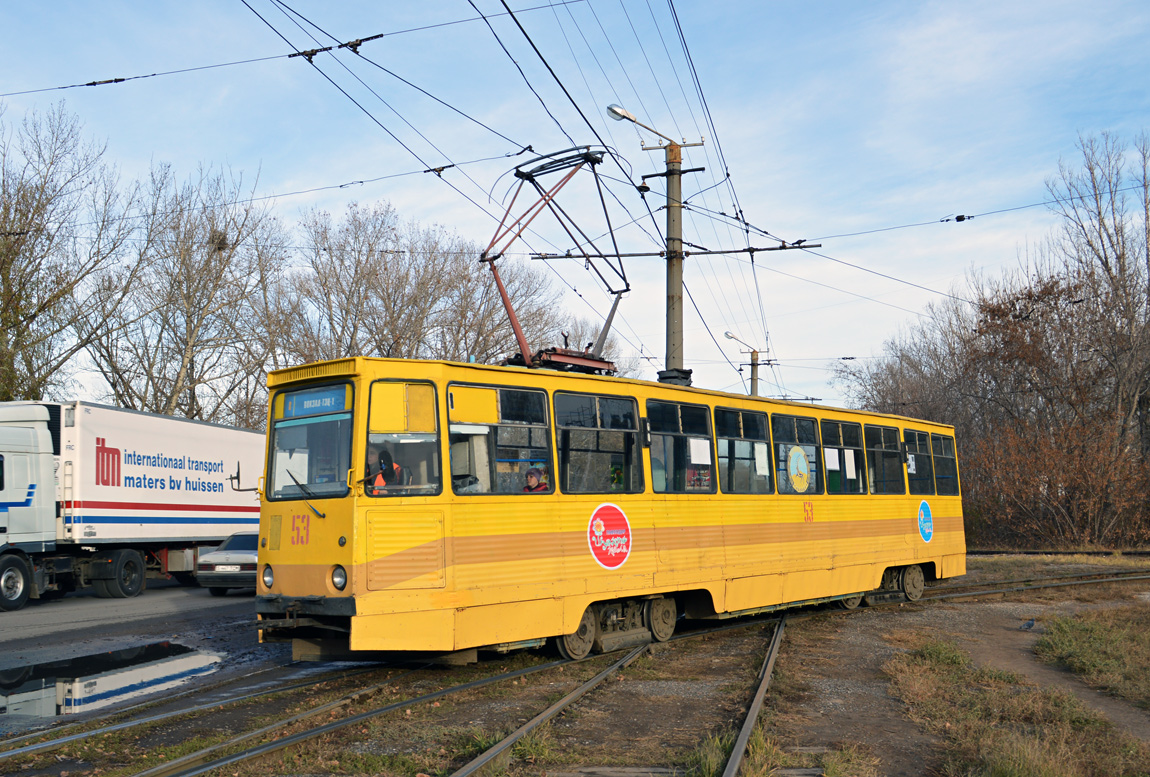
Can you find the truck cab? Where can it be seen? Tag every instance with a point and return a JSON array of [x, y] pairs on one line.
[[27, 498]]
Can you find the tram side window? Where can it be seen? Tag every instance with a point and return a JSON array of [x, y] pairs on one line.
[[945, 465], [884, 460], [919, 467], [499, 436], [843, 456], [744, 452], [797, 454], [680, 448], [402, 440], [598, 444]]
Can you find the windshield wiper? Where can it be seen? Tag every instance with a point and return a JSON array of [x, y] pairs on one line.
[[306, 491]]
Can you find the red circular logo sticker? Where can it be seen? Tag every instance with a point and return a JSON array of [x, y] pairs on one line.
[[609, 536]]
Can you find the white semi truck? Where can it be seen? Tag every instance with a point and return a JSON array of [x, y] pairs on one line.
[[92, 495]]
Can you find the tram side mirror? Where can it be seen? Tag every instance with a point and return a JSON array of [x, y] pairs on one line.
[[645, 431], [235, 481], [904, 452]]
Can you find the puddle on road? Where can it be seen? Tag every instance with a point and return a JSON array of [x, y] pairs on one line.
[[34, 695]]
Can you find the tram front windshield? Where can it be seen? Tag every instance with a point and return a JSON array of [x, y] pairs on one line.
[[310, 456]]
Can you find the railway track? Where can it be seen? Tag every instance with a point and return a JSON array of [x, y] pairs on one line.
[[286, 732], [1020, 585], [361, 704], [55, 738]]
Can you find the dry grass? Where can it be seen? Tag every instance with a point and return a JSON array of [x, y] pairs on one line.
[[994, 723], [1020, 566], [1109, 648]]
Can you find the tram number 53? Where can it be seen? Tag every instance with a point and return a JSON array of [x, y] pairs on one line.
[[300, 525]]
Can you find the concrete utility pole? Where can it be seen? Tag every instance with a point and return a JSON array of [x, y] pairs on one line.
[[754, 362], [674, 372]]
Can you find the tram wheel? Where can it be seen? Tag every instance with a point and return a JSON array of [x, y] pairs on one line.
[[578, 645], [912, 582], [661, 616], [851, 602]]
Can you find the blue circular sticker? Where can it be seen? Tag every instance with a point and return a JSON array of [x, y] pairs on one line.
[[925, 522]]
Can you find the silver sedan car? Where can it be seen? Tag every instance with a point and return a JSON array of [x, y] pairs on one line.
[[231, 565]]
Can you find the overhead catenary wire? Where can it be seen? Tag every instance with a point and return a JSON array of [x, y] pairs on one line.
[[286, 9], [193, 69], [372, 117], [887, 276], [712, 334]]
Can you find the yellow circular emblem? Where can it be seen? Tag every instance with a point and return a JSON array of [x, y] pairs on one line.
[[798, 469]]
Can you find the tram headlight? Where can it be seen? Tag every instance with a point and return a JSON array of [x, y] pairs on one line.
[[268, 576], [339, 577]]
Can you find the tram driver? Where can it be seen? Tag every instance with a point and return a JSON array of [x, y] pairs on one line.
[[381, 470]]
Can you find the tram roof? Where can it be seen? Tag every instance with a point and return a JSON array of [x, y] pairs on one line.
[[351, 366]]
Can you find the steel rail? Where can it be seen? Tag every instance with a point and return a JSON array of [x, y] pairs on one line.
[[739, 751], [303, 736], [547, 714], [1066, 584], [200, 756], [1058, 552], [52, 744], [1109, 574]]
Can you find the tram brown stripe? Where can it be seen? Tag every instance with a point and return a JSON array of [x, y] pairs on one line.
[[421, 560]]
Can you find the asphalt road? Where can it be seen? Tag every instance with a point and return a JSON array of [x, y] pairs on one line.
[[81, 624]]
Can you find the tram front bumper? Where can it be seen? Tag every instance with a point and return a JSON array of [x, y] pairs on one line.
[[276, 612]]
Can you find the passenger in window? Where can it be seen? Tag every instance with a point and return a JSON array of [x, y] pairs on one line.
[[535, 480]]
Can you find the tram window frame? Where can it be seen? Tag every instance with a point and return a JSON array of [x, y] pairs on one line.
[[325, 476], [789, 432], [589, 427], [484, 474], [738, 452], [413, 468], [945, 457], [917, 445], [670, 443], [843, 437], [883, 458]]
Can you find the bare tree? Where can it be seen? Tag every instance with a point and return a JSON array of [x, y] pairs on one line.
[[182, 342], [63, 235], [377, 287], [1046, 373]]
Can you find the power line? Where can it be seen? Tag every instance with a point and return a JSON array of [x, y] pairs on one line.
[[520, 69], [712, 334], [798, 244], [961, 218], [120, 80], [371, 116]]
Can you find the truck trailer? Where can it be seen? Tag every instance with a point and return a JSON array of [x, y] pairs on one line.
[[98, 496]]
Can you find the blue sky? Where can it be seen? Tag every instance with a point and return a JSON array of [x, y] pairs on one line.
[[832, 118]]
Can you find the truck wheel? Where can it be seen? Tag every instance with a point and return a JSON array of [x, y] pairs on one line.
[[128, 575], [15, 582]]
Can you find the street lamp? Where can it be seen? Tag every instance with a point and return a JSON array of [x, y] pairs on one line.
[[674, 373], [754, 362]]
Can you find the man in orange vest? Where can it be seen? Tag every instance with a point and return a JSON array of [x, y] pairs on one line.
[[381, 470]]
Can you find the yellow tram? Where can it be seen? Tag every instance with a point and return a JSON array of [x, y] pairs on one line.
[[506, 506]]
